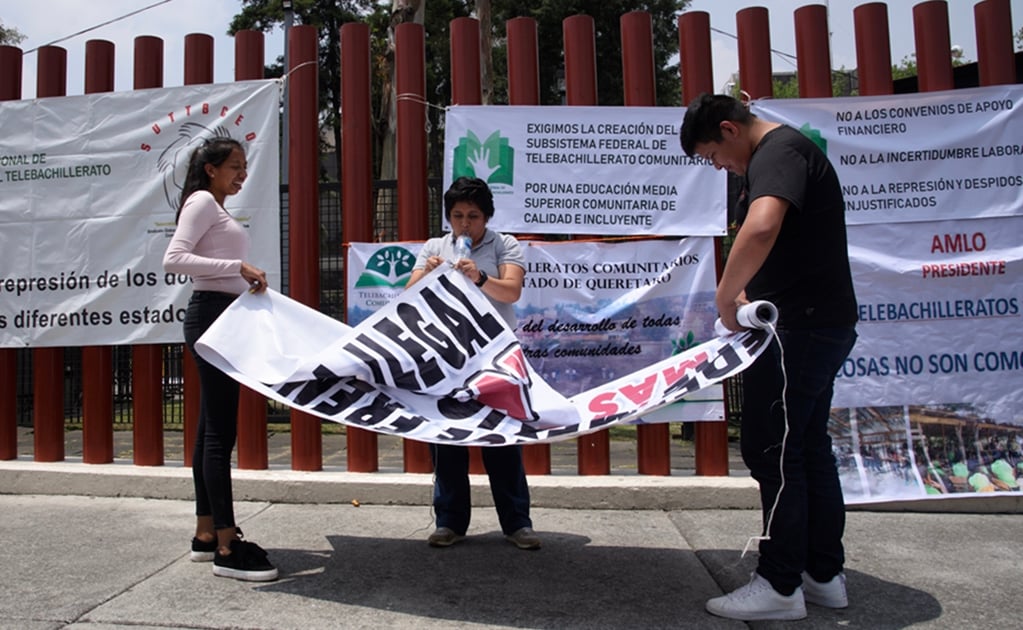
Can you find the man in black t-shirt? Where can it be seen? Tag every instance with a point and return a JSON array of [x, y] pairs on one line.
[[790, 250]]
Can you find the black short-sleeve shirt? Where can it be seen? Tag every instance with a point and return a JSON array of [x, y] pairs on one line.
[[806, 274]]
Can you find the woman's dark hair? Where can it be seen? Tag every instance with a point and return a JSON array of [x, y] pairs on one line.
[[214, 151], [702, 121], [471, 189]]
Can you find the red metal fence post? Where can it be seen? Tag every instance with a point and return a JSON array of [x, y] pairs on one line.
[[10, 90], [653, 441], [754, 32], [593, 451], [813, 51], [97, 361], [466, 89], [198, 70], [304, 213], [357, 189], [710, 439], [413, 209], [695, 55], [147, 359], [873, 50], [252, 437], [524, 89], [933, 46], [48, 363], [995, 59]]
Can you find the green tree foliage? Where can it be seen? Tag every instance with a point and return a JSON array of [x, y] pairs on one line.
[[908, 66], [10, 36]]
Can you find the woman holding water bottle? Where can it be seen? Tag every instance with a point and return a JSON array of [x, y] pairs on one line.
[[494, 262]]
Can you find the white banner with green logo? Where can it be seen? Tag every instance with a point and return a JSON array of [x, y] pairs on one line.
[[616, 171], [89, 188], [930, 398], [934, 156], [589, 311]]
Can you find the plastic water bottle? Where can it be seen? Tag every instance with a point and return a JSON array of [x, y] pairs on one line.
[[463, 247]]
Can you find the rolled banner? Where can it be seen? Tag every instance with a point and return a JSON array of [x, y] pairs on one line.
[[757, 314]]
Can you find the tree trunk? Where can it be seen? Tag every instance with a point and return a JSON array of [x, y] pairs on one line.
[[483, 14], [402, 11]]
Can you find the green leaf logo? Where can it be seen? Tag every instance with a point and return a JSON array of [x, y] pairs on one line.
[[389, 267], [493, 160], [815, 136]]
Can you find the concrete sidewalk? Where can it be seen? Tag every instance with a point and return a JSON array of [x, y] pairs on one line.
[[101, 563], [102, 547]]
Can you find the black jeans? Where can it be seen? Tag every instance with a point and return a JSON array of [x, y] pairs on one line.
[[808, 522], [451, 500], [218, 416]]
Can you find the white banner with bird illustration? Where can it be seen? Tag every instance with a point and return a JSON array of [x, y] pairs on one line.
[[89, 189]]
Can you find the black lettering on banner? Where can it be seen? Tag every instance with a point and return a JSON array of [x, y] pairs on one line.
[[490, 324], [455, 409], [754, 339], [431, 335], [401, 379], [368, 359], [683, 386], [406, 422], [429, 372], [613, 418], [527, 432], [348, 392], [572, 428], [493, 438], [454, 434], [285, 389], [378, 409], [714, 369]]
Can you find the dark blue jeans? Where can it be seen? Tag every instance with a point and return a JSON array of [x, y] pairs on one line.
[[809, 520], [218, 416], [451, 500]]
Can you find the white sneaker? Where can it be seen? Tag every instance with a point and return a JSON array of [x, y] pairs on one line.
[[758, 600], [828, 594]]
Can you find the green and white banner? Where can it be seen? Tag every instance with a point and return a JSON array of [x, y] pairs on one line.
[[929, 402], [617, 171], [934, 156], [89, 188], [937, 319], [590, 312]]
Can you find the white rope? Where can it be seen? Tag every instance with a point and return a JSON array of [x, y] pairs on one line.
[[766, 535]]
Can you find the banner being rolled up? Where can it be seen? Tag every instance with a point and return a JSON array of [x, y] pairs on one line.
[[439, 365]]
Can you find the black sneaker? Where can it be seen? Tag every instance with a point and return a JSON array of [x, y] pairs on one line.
[[204, 551], [247, 561]]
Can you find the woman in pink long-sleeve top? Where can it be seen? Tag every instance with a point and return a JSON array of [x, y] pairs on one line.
[[211, 246]]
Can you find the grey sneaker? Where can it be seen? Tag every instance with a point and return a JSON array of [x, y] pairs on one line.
[[758, 600], [828, 594], [524, 538], [443, 537]]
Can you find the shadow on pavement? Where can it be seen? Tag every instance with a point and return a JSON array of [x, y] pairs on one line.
[[485, 580]]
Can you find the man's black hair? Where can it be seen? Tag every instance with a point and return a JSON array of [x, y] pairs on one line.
[[702, 122]]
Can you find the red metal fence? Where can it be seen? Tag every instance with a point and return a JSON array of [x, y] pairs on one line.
[[996, 64]]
